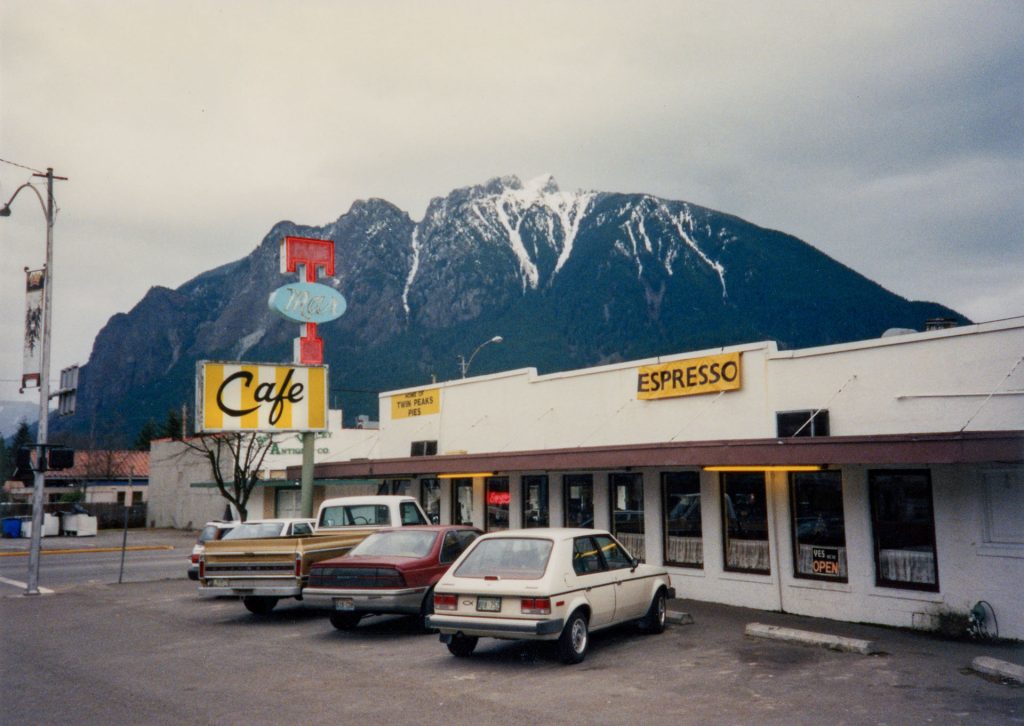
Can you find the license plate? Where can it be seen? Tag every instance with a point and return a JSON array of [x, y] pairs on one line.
[[344, 603], [489, 604], [218, 582]]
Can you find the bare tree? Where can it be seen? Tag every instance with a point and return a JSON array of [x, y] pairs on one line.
[[240, 453]]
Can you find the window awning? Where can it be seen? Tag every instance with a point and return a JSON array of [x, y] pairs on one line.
[[884, 450], [290, 483]]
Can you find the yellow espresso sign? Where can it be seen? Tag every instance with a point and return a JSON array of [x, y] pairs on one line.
[[416, 403], [689, 377], [258, 397]]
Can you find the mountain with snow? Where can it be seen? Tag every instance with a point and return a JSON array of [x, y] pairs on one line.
[[568, 279]]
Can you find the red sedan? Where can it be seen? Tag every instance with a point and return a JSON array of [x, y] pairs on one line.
[[391, 571]]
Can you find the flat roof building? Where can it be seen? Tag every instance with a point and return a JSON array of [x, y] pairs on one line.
[[878, 481]]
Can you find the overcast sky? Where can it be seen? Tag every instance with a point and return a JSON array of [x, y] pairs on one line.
[[889, 135]]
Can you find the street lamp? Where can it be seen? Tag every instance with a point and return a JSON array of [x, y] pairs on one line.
[[32, 588], [464, 364]]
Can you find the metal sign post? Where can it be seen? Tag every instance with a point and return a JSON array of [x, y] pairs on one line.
[[308, 303]]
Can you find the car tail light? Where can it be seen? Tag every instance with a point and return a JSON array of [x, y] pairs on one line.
[[536, 606], [445, 602], [298, 565], [195, 559], [202, 567]]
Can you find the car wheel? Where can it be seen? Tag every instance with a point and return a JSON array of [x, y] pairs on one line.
[[345, 621], [259, 605], [427, 608], [462, 646], [575, 637], [654, 620]]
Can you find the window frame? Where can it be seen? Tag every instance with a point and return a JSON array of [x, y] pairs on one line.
[[507, 484], [565, 499], [722, 479], [876, 550], [461, 483], [695, 475], [793, 479], [526, 481]]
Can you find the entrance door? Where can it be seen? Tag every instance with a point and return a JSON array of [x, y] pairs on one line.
[[288, 503]]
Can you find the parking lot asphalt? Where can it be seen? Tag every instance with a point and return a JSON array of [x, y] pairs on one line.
[[157, 653]]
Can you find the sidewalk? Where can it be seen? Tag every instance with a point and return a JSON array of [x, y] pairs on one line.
[[105, 539], [725, 626]]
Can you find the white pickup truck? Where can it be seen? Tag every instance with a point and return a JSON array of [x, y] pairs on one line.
[[262, 571]]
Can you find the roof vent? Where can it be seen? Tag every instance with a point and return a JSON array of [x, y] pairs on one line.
[[939, 323]]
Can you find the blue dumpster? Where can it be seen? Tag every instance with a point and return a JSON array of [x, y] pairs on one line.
[[12, 527]]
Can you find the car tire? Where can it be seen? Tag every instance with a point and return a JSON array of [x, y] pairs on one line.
[[345, 620], [462, 646], [193, 575], [259, 605], [426, 609], [654, 621], [575, 637]]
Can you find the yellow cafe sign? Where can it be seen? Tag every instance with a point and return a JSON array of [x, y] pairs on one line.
[[261, 397]]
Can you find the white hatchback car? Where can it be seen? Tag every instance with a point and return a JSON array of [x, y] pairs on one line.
[[547, 584]]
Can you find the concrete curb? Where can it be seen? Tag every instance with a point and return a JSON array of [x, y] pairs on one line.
[[678, 618], [805, 637], [999, 668], [81, 550]]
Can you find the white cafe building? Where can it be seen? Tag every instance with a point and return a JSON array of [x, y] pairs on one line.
[[877, 481]]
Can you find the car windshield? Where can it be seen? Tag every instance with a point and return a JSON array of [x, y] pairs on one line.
[[396, 544], [209, 533], [255, 530], [511, 558]]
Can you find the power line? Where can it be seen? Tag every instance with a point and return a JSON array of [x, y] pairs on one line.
[[22, 166]]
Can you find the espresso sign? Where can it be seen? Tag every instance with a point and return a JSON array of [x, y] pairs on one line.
[[689, 377], [260, 397]]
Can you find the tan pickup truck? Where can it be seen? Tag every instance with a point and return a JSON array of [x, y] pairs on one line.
[[262, 571]]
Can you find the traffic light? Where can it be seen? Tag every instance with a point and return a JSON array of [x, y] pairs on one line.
[[60, 458], [23, 464]]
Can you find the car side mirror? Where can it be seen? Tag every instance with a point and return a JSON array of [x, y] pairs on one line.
[[635, 563], [435, 519]]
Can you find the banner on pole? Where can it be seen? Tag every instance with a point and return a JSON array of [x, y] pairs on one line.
[[260, 397], [35, 283]]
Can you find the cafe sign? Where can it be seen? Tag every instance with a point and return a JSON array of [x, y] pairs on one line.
[[416, 403], [689, 377], [260, 397]]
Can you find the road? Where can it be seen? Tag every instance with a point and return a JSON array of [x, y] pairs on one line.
[[58, 571]]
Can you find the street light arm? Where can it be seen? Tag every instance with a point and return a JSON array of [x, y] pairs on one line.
[[6, 211], [467, 363]]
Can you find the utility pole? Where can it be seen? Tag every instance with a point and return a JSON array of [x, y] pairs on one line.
[[32, 587]]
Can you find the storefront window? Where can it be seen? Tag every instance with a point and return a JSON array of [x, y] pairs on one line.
[[819, 530], [904, 529], [627, 497], [579, 500], [462, 501], [680, 506], [498, 498], [430, 498], [745, 511], [535, 501]]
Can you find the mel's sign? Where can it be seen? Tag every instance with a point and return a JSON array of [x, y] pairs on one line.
[[260, 397], [308, 302], [416, 403], [689, 377]]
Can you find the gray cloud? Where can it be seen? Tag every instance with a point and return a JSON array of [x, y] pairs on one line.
[[886, 134]]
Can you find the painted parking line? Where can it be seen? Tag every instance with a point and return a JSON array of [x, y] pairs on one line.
[[136, 548], [24, 586]]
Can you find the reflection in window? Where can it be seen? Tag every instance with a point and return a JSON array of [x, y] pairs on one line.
[[535, 501], [498, 498], [628, 511], [819, 530], [430, 498], [684, 544], [745, 511], [579, 500], [462, 501], [904, 529]]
